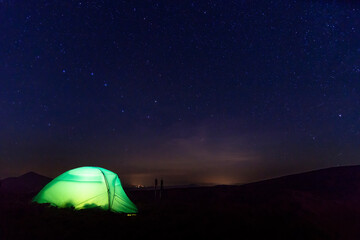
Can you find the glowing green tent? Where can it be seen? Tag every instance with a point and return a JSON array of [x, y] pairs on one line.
[[87, 187]]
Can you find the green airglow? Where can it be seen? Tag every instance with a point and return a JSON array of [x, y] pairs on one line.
[[87, 187]]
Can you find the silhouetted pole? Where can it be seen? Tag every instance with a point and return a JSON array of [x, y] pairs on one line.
[[156, 182], [161, 187]]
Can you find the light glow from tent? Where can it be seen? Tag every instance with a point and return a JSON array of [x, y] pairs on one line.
[[87, 187]]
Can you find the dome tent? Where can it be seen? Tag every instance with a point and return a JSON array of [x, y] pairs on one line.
[[87, 187]]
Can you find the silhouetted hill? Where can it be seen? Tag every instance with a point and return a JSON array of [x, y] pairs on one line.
[[30, 182], [321, 204]]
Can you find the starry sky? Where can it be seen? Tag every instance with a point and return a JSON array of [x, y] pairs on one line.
[[204, 92]]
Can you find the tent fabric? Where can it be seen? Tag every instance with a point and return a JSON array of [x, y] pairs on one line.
[[87, 187]]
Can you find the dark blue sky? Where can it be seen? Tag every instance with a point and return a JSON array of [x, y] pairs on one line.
[[192, 91]]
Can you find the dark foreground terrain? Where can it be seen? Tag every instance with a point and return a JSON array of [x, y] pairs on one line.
[[323, 204]]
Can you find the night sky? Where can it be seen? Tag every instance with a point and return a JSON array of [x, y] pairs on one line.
[[203, 92]]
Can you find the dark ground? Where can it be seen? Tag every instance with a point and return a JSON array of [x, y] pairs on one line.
[[322, 204]]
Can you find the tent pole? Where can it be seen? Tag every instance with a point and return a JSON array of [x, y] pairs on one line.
[[108, 189]]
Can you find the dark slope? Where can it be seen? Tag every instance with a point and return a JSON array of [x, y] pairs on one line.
[[322, 204], [30, 182]]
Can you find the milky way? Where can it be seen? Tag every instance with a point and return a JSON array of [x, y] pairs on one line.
[[192, 91]]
